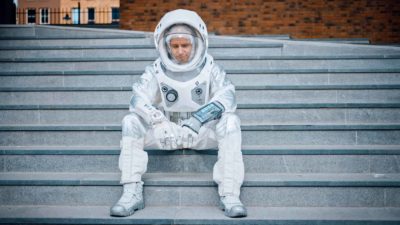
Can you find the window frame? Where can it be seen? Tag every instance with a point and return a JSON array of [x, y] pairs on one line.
[[28, 17], [112, 15], [91, 21], [47, 16]]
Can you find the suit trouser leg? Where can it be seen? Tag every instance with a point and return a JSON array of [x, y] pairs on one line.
[[229, 169], [133, 159]]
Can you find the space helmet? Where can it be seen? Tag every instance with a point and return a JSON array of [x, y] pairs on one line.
[[186, 24]]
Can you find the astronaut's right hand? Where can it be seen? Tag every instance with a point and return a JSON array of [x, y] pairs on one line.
[[189, 137], [166, 133]]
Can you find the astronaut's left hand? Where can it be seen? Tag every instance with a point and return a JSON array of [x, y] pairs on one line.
[[190, 130], [167, 134], [189, 137]]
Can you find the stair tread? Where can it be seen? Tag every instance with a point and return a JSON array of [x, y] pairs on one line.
[[205, 179], [244, 147], [134, 46], [246, 150], [237, 87], [244, 127], [240, 106], [217, 57], [196, 215], [229, 71]]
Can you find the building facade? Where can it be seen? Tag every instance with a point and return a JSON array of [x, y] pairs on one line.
[[377, 20], [68, 11]]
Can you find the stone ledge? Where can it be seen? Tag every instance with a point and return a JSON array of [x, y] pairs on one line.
[[203, 179], [232, 71], [246, 150], [218, 57], [42, 214], [113, 127], [240, 106], [137, 46], [238, 87]]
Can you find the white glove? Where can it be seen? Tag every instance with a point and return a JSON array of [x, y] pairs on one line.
[[167, 134], [190, 129]]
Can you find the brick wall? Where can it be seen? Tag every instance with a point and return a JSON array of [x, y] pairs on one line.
[[378, 20]]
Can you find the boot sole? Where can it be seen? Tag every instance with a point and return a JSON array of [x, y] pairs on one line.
[[226, 213], [130, 213]]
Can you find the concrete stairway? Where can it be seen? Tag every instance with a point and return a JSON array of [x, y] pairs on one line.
[[320, 122]]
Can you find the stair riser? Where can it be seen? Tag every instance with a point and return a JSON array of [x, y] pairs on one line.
[[129, 53], [297, 49], [142, 42], [242, 96], [203, 196], [57, 32], [247, 116], [237, 79], [204, 163], [17, 32], [364, 64], [112, 138], [79, 42]]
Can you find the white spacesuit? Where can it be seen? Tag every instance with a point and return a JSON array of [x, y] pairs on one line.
[[182, 100]]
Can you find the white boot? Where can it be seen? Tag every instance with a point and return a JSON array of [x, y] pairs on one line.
[[131, 200], [232, 206]]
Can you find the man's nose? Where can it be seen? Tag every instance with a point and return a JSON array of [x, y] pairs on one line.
[[180, 50]]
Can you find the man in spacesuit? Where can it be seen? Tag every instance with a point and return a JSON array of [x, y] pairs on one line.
[[182, 100]]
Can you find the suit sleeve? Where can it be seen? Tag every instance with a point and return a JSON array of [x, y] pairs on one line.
[[222, 89], [145, 95]]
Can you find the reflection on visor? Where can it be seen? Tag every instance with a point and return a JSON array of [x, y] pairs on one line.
[[186, 36]]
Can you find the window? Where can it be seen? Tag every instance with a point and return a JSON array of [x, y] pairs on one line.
[[91, 13], [31, 16], [115, 15], [44, 16], [75, 16]]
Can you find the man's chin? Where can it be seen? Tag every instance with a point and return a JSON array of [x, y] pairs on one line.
[[181, 62]]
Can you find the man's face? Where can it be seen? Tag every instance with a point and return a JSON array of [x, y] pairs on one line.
[[181, 49]]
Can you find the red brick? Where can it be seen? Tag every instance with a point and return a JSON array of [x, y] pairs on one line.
[[373, 19]]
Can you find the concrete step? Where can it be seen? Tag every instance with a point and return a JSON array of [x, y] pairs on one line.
[[48, 31], [244, 127], [185, 161], [246, 149], [240, 106], [275, 116], [18, 214], [197, 189], [114, 43], [8, 31], [237, 87], [58, 34], [362, 80], [229, 71], [293, 48], [125, 53], [229, 64], [242, 96], [109, 135], [65, 43]]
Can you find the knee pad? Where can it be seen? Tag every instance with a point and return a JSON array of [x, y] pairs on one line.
[[133, 126], [228, 124]]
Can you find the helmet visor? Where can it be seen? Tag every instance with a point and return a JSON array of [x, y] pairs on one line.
[[181, 49]]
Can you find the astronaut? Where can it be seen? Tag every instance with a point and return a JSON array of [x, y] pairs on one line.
[[182, 100]]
